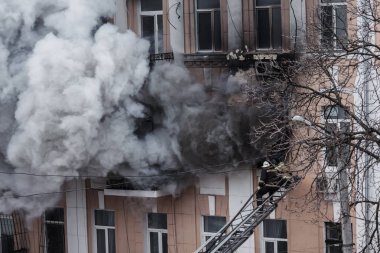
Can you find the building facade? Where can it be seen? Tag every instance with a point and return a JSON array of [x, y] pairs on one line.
[[103, 216]]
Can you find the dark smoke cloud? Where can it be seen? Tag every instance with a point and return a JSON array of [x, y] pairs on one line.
[[77, 99]]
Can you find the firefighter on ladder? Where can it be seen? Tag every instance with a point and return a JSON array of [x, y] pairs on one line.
[[271, 179]]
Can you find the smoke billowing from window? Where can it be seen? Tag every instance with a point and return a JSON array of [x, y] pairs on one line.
[[77, 99]]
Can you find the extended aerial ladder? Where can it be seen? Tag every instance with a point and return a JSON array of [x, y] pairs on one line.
[[241, 226]]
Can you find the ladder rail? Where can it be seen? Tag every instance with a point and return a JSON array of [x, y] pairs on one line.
[[264, 214], [220, 238], [225, 227]]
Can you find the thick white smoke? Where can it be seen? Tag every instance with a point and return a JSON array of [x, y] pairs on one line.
[[77, 99]]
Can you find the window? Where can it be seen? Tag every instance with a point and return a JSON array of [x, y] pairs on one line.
[[268, 20], [274, 236], [7, 233], [157, 233], [105, 231], [54, 231], [333, 237], [211, 225], [336, 120], [333, 23], [151, 24], [209, 32]]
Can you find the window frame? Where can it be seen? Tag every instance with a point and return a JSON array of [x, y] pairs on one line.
[[337, 121], [54, 222], [204, 234], [334, 6], [332, 241], [153, 14], [10, 219], [159, 231], [270, 8], [212, 11], [105, 228], [273, 239]]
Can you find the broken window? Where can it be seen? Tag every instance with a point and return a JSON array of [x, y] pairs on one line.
[[55, 231], [151, 24], [268, 20], [333, 23], [105, 231], [157, 233], [209, 34], [275, 236]]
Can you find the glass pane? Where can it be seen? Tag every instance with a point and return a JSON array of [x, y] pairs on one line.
[[334, 248], [269, 247], [341, 26], [111, 241], [263, 28], [276, 28], [6, 226], [213, 223], [267, 2], [101, 240], [104, 218], [335, 112], [275, 229], [331, 156], [327, 26], [147, 31], [208, 4], [55, 238], [164, 243], [151, 5], [55, 214], [333, 231], [7, 244], [217, 31], [153, 239], [204, 31], [160, 34], [157, 220], [282, 247]]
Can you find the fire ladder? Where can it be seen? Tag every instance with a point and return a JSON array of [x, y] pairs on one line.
[[240, 228]]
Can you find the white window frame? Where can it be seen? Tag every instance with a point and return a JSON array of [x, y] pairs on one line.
[[53, 222], [208, 234], [334, 7], [270, 7], [105, 228], [212, 11], [154, 14], [160, 232], [271, 239]]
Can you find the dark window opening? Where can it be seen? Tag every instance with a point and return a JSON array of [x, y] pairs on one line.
[[209, 32], [152, 25], [268, 20], [333, 24], [275, 236], [158, 233], [105, 231], [55, 230], [333, 237]]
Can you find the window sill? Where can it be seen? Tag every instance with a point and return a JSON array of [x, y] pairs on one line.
[[135, 193]]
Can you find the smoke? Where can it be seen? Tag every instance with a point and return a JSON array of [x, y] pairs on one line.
[[77, 99]]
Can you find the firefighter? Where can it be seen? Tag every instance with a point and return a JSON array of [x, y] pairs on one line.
[[268, 183]]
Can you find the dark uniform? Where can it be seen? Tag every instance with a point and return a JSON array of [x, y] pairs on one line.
[[269, 183]]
